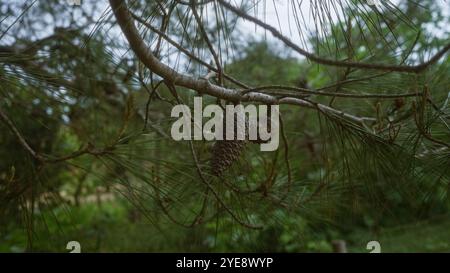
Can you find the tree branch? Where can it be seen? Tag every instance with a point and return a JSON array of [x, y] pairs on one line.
[[87, 149], [145, 55], [400, 68], [19, 136]]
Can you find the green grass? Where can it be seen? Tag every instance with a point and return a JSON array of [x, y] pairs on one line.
[[426, 236], [109, 229]]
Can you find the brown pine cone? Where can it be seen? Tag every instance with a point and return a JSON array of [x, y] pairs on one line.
[[226, 152]]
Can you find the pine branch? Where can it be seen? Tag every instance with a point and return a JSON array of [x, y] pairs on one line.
[[400, 68], [145, 55]]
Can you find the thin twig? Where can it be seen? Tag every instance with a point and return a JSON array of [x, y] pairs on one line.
[[19, 136], [208, 42], [400, 68]]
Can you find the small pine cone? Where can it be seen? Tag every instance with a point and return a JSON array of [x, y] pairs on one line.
[[224, 154]]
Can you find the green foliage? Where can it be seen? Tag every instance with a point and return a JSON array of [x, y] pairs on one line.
[[115, 181]]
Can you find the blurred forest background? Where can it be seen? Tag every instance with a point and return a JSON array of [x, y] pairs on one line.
[[86, 152]]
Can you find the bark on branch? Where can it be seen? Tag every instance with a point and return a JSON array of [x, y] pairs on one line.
[[314, 58], [145, 55]]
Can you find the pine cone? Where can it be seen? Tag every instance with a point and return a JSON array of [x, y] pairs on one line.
[[226, 152]]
